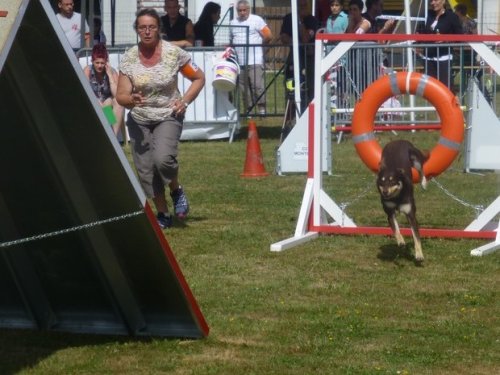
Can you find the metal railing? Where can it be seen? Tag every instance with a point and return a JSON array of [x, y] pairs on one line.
[[365, 62]]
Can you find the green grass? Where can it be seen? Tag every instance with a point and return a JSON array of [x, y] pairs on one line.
[[335, 305]]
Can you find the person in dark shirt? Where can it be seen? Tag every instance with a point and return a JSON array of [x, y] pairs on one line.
[[469, 26], [176, 28], [322, 11], [204, 27], [438, 60], [99, 36], [307, 27], [374, 9]]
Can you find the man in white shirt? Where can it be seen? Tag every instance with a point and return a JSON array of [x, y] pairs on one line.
[[252, 66], [71, 23]]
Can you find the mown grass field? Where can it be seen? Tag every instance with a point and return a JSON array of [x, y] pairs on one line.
[[336, 305]]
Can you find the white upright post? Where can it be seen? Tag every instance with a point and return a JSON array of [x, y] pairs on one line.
[[296, 62], [318, 131], [409, 54], [314, 198]]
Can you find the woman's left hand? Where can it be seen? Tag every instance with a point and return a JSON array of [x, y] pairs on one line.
[[179, 107]]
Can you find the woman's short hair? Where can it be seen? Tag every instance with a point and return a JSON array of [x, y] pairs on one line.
[[99, 51], [147, 12], [461, 8], [358, 3]]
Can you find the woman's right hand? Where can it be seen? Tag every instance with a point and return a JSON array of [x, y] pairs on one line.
[[137, 99]]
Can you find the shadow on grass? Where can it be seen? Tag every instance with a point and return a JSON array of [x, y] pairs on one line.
[[24, 349], [396, 254]]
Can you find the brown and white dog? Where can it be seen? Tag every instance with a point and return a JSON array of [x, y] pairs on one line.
[[395, 185]]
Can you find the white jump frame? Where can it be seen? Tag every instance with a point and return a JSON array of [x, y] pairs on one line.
[[316, 203]]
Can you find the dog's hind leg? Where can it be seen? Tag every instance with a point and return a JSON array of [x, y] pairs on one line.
[[417, 164], [423, 182], [395, 228], [417, 160]]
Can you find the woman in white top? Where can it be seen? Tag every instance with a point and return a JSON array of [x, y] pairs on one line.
[[357, 24], [147, 85]]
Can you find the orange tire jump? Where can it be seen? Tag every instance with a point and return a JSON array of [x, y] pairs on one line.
[[450, 113]]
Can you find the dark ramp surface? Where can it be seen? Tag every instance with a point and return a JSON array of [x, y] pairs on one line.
[[80, 250]]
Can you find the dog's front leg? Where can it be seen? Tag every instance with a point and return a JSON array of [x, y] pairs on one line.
[[412, 220], [393, 223]]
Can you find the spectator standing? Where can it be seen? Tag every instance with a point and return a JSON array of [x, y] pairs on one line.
[[440, 21], [250, 58], [360, 62], [307, 27], [104, 81], [204, 27], [357, 23], [99, 36], [71, 23], [176, 28], [469, 26], [337, 21], [468, 57], [147, 86], [323, 11], [335, 24], [374, 8]]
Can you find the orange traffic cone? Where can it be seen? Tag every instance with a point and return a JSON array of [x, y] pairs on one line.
[[254, 163]]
